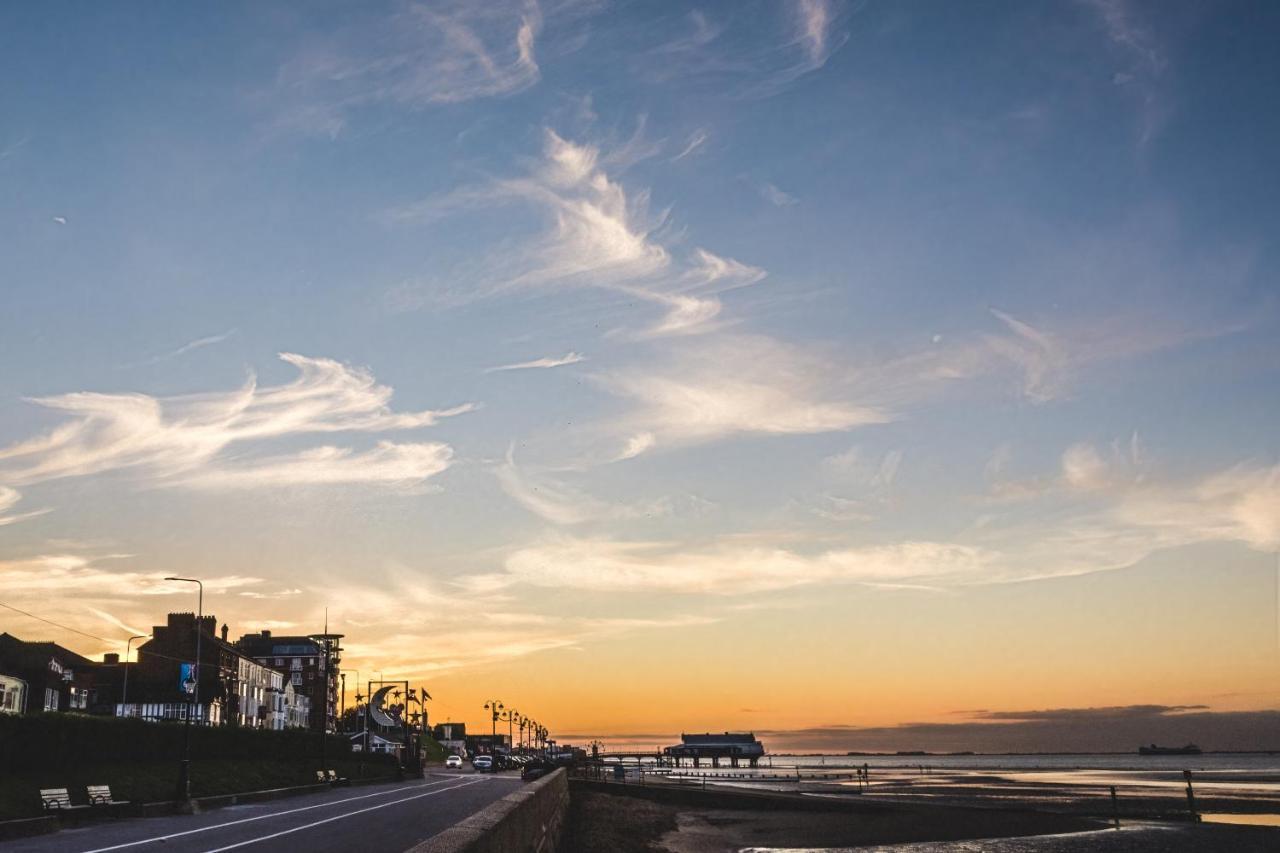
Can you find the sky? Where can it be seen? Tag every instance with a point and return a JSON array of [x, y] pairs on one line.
[[805, 367]]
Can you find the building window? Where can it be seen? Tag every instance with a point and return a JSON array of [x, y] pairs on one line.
[[297, 679], [50, 699]]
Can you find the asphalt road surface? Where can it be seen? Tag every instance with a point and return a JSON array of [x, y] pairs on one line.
[[366, 818]]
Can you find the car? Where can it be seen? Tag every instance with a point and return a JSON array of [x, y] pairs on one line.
[[536, 769], [453, 761], [483, 763]]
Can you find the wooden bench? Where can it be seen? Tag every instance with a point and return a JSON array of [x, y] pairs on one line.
[[58, 799], [100, 795]]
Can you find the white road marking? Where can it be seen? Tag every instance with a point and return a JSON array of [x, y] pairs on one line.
[[343, 816], [259, 817]]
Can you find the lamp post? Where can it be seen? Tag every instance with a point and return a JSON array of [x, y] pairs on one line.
[[511, 716], [184, 768], [494, 707], [124, 694]]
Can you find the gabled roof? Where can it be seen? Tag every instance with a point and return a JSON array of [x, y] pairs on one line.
[[40, 652]]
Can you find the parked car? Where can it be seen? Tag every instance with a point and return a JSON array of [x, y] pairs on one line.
[[453, 761], [536, 768], [483, 763]]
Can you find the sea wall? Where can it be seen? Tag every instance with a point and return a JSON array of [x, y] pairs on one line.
[[529, 820]]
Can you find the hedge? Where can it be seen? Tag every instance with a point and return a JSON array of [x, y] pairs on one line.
[[62, 740]]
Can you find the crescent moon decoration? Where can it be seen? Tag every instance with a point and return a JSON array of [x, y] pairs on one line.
[[380, 716]]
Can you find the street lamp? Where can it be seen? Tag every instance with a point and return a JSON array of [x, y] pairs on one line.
[[124, 695], [511, 716], [494, 706], [184, 769]]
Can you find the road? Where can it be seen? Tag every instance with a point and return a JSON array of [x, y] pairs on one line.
[[368, 818]]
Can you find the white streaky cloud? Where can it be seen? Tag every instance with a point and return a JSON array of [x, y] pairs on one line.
[[777, 197], [198, 343], [540, 363], [736, 384], [696, 141], [423, 54], [564, 505], [8, 498], [637, 444], [61, 220], [814, 18], [182, 437], [470, 626], [406, 466], [252, 625], [113, 620], [1083, 467], [1241, 504], [1145, 64], [598, 236], [603, 565], [545, 500], [282, 593], [808, 39], [1038, 355], [79, 577]]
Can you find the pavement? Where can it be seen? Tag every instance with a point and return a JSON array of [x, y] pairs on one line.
[[391, 817]]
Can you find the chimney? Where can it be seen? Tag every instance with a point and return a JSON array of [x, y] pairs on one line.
[[224, 632], [111, 657], [266, 635]]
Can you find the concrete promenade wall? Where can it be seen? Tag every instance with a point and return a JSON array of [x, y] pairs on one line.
[[529, 820]]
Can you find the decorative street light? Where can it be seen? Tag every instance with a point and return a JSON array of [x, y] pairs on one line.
[[184, 769], [124, 694], [494, 707], [511, 716]]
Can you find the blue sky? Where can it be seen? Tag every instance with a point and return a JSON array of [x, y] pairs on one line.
[[718, 307]]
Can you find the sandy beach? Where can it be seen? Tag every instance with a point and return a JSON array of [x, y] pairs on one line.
[[924, 813]]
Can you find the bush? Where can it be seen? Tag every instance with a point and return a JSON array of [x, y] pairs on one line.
[[41, 741]]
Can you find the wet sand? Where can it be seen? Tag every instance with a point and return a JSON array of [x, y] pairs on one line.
[[965, 811]]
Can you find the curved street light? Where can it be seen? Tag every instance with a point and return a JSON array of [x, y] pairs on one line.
[[184, 769], [494, 707], [124, 694]]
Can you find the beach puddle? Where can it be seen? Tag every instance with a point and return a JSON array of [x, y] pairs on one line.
[[1248, 819]]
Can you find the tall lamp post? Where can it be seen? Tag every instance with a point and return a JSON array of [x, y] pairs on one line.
[[511, 716], [124, 694], [184, 768], [494, 707]]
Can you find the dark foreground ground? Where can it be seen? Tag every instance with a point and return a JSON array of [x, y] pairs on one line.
[[369, 819], [609, 823]]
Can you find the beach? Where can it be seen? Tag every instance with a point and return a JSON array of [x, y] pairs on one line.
[[922, 808]]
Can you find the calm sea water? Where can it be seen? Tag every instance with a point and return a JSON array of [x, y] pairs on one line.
[[1251, 762], [1260, 763]]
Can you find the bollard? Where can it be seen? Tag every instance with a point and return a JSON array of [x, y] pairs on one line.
[[1115, 808], [1191, 798]]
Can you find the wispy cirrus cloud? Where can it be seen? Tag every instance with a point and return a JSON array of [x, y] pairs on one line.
[[599, 236], [198, 343], [540, 363], [777, 197], [179, 440], [702, 393], [423, 54], [1145, 63], [730, 568], [8, 498], [806, 36], [696, 141]]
